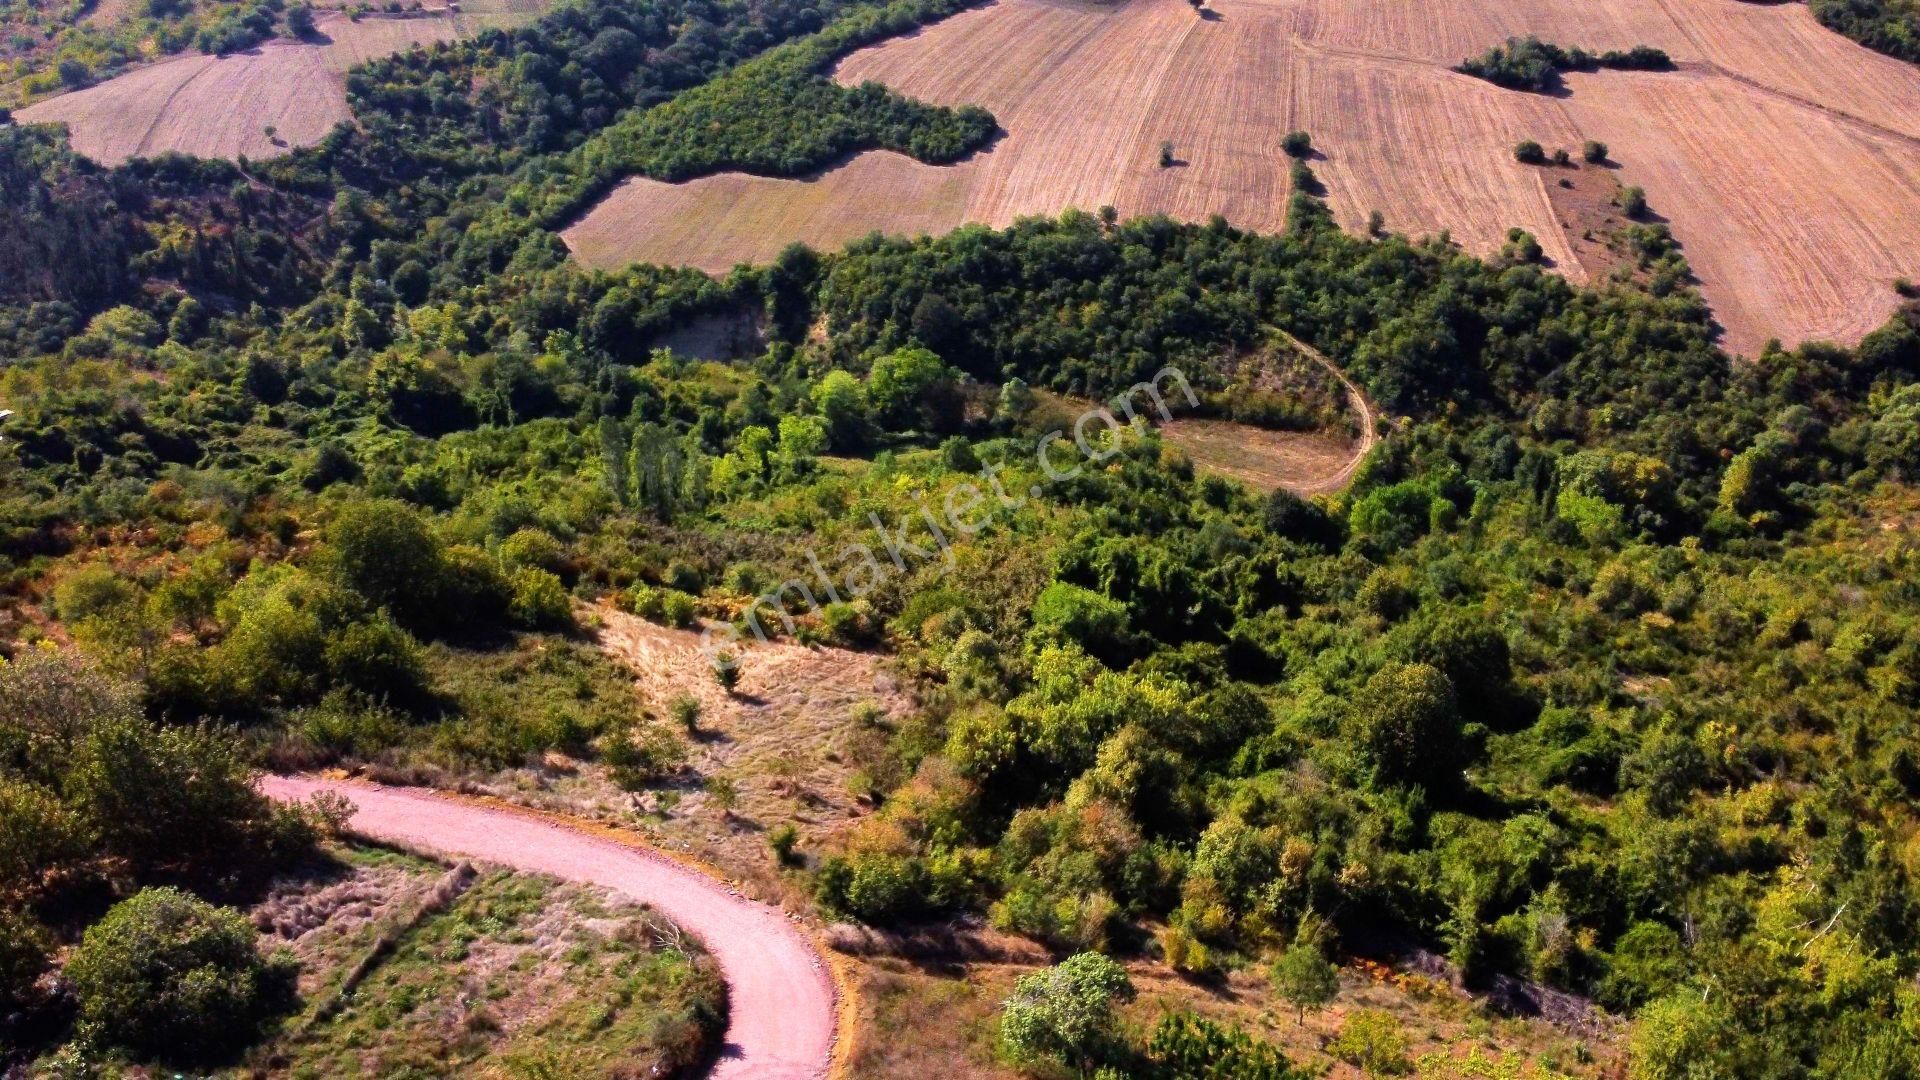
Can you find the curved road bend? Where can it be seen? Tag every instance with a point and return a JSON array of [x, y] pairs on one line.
[[781, 996]]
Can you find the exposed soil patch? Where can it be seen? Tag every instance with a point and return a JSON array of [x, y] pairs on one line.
[[1584, 204]]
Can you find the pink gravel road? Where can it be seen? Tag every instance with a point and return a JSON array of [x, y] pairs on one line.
[[780, 994]]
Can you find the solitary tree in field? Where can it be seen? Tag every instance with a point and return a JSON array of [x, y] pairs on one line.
[[1304, 979], [1166, 154]]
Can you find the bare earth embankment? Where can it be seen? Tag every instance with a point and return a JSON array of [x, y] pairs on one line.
[[1786, 158], [221, 107]]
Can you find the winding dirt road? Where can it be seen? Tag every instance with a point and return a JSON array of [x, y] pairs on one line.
[[780, 993], [1369, 436]]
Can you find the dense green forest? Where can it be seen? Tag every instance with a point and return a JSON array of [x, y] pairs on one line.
[[1888, 26], [1602, 674]]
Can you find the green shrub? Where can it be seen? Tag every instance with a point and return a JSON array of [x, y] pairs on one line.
[[1371, 1040], [1593, 152], [1531, 64], [26, 951], [164, 975], [1096, 622], [1297, 144], [1189, 1047], [642, 756], [645, 601], [1304, 978], [1066, 1013], [540, 601], [533, 548], [678, 608], [40, 838], [379, 659], [782, 840], [845, 624], [176, 803], [1406, 726], [383, 550], [685, 709], [1528, 152]]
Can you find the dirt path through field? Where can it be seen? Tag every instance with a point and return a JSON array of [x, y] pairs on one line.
[[780, 992]]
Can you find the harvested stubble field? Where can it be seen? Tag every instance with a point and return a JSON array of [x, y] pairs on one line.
[[1786, 158], [220, 107]]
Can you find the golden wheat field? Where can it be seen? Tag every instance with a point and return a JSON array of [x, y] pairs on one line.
[[1786, 158], [221, 106]]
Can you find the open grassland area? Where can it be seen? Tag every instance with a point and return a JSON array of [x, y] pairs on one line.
[[484, 973], [788, 746], [930, 1016], [224, 106], [1786, 158], [1261, 459]]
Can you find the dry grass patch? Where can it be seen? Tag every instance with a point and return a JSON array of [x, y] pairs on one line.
[[917, 1020], [517, 975], [1302, 462], [788, 738], [799, 741]]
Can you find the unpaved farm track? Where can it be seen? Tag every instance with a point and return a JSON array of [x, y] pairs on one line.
[[781, 995], [1369, 437]]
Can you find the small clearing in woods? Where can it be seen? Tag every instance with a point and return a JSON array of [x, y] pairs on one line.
[[791, 738], [1584, 207], [786, 732], [1304, 463], [732, 335]]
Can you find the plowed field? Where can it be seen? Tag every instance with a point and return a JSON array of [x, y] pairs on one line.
[[221, 106], [1785, 157]]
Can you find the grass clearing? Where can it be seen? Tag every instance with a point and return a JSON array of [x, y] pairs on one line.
[[518, 976]]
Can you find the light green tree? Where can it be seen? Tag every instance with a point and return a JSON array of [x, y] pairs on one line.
[[1065, 1013]]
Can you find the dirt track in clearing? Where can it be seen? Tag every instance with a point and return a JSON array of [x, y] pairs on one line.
[[782, 1012], [1786, 158]]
